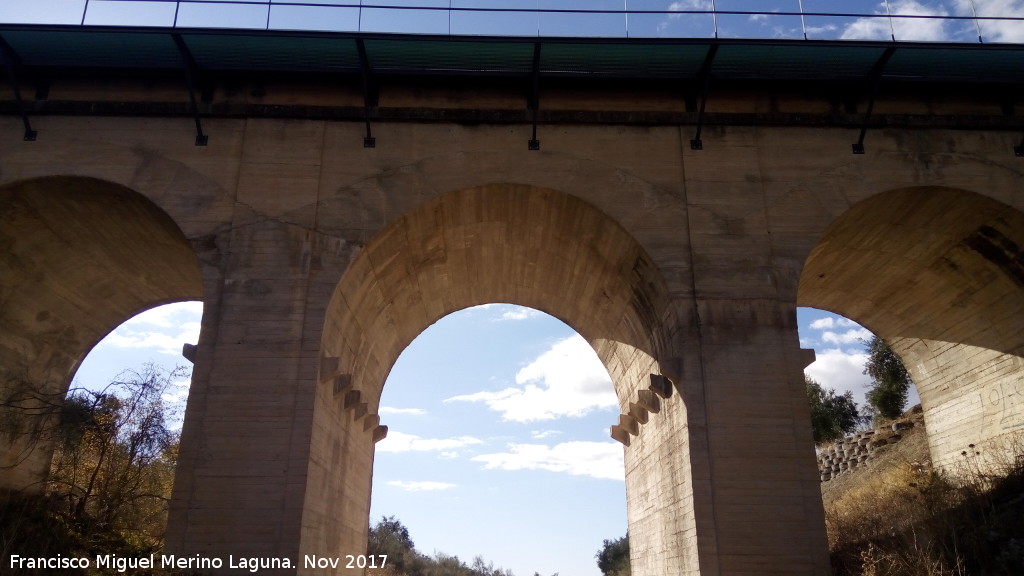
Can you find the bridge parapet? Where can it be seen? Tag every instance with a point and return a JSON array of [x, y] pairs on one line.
[[960, 22]]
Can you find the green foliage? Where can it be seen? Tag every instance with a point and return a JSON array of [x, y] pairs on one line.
[[832, 415], [613, 557], [389, 536], [114, 464], [890, 381], [110, 477]]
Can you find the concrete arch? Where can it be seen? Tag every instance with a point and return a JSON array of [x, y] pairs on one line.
[[78, 256], [496, 243], [939, 274]]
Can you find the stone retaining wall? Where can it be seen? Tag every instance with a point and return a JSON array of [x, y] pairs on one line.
[[856, 450]]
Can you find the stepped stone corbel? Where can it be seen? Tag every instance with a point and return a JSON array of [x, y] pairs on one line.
[[629, 424], [341, 383], [807, 357], [638, 412], [661, 385], [361, 410], [352, 398], [647, 402], [620, 435], [372, 421], [330, 366]]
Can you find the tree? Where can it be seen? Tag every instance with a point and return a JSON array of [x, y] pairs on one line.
[[389, 537], [832, 415], [613, 557], [110, 478], [890, 381], [114, 462]]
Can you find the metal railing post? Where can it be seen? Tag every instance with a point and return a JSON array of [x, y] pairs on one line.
[[714, 17], [803, 23], [625, 15], [977, 24], [892, 30]]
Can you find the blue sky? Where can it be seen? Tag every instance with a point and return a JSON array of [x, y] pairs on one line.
[[498, 418], [333, 15]]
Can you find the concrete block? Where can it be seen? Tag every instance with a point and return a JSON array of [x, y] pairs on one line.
[[619, 434], [629, 424], [661, 385]]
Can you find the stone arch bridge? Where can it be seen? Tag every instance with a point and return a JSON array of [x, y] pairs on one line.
[[328, 197]]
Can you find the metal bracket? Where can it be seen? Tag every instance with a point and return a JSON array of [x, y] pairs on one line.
[[533, 102], [705, 78], [191, 71], [12, 63], [875, 78], [371, 96]]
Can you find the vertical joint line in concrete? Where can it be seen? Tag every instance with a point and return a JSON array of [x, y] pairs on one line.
[[705, 389], [874, 78], [191, 71], [534, 100], [11, 63], [370, 94], [704, 77]]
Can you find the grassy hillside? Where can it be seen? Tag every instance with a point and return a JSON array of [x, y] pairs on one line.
[[897, 516]]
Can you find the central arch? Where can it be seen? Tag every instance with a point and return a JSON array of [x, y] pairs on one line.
[[509, 243]]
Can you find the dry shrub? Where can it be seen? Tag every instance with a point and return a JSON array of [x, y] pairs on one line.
[[903, 518]]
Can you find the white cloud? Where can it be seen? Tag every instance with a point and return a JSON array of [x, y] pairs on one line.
[[841, 371], [402, 442], [823, 323], [567, 380], [824, 30], [420, 486], [682, 6], [922, 29], [829, 322], [176, 397], [161, 315], [163, 329], [409, 411], [167, 341], [851, 336], [182, 393], [685, 5], [996, 30], [542, 434], [595, 459], [520, 313], [497, 312]]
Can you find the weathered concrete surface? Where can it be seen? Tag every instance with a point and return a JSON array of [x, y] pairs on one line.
[[320, 260], [79, 257], [938, 273]]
